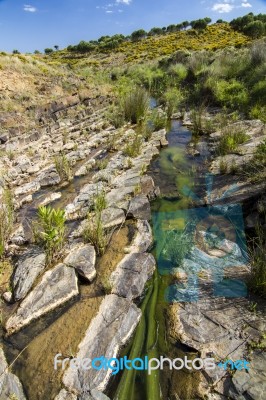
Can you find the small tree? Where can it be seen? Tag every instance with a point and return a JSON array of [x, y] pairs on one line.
[[56, 47], [48, 51], [185, 24], [255, 29], [37, 52], [138, 35], [16, 52]]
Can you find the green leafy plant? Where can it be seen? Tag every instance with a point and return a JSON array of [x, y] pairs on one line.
[[49, 231]]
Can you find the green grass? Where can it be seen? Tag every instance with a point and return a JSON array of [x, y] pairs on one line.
[[94, 232], [258, 262], [6, 218], [133, 147], [230, 139], [255, 170], [63, 167]]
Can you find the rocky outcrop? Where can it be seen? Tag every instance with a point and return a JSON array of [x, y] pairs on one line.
[[30, 265], [107, 333], [82, 257], [56, 287], [10, 386], [131, 275]]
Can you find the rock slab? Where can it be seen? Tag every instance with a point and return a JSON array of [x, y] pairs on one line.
[[107, 333], [82, 257], [30, 265], [56, 287], [131, 275]]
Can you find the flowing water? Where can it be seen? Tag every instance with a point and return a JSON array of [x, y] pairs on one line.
[[181, 179]]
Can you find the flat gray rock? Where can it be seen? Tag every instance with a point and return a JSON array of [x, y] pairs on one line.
[[139, 207], [49, 177], [9, 383], [252, 384], [142, 240], [131, 274], [112, 216], [30, 265], [82, 257], [108, 332], [56, 287]]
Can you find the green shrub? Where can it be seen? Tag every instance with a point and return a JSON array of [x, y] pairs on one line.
[[258, 112], [173, 99], [158, 120], [132, 148], [230, 139], [232, 94], [136, 105], [258, 93], [49, 231]]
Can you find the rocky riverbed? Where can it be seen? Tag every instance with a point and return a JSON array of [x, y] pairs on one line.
[[94, 302]]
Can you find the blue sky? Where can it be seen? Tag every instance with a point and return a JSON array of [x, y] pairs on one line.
[[35, 24]]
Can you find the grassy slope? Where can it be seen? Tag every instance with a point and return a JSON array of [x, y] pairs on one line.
[[215, 37]]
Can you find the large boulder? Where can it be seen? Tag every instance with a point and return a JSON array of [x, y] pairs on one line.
[[82, 257], [9, 383], [108, 332], [139, 207], [131, 275], [30, 265], [57, 286]]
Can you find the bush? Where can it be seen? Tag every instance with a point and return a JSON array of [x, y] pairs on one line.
[[258, 112], [132, 149], [158, 120], [232, 94], [136, 105], [173, 99], [230, 139], [49, 231], [258, 93]]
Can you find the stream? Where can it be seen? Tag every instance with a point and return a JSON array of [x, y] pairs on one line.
[[180, 176]]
